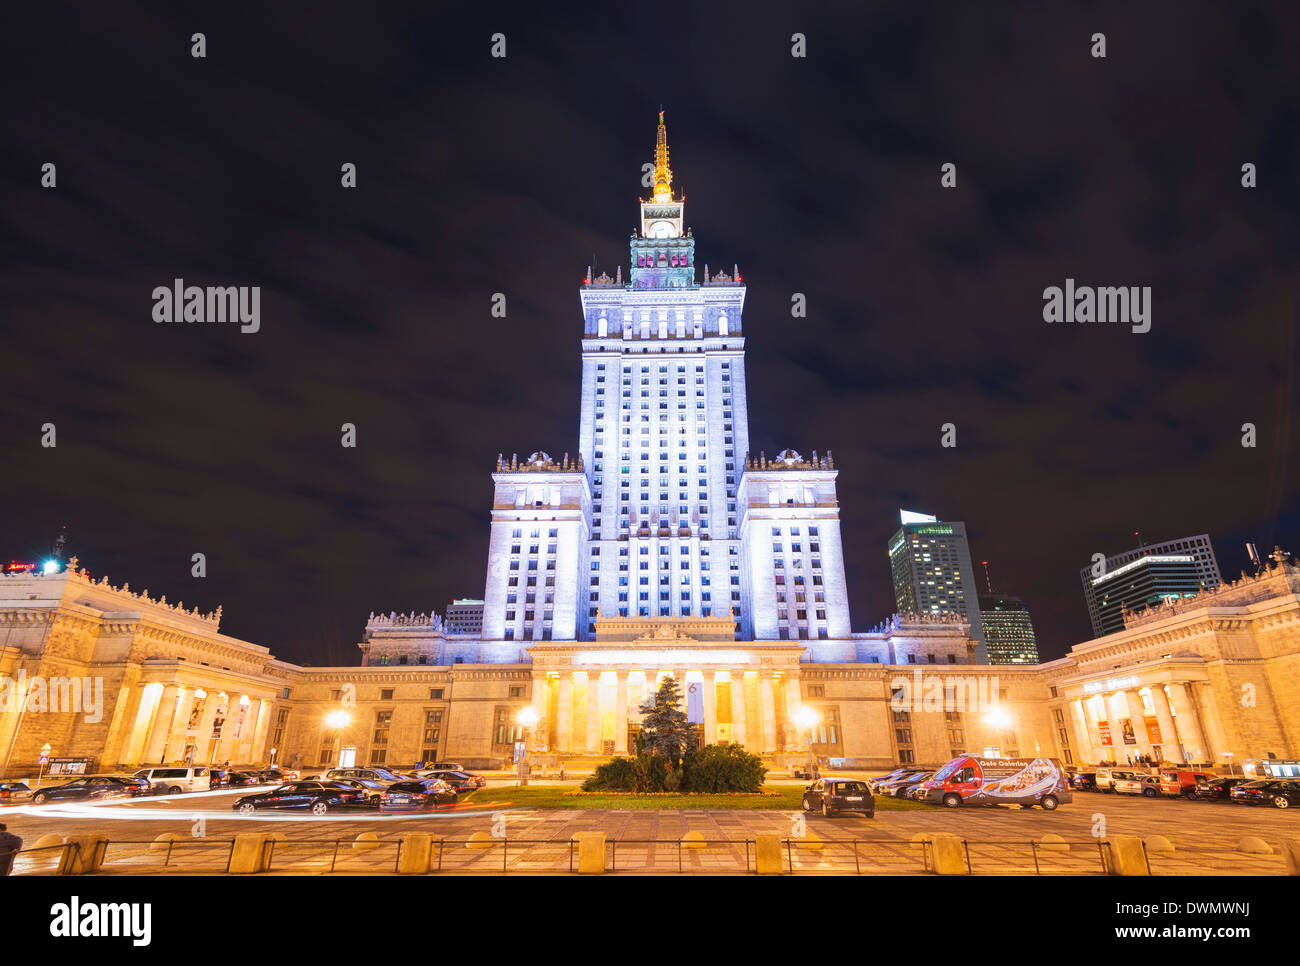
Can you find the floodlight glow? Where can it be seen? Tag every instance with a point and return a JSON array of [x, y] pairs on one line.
[[338, 719], [805, 717], [527, 716], [50, 567], [998, 718]]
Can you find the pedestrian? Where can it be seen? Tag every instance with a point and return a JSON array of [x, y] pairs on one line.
[[10, 844]]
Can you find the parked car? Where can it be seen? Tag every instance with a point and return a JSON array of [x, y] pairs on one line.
[[1000, 781], [1182, 781], [1218, 789], [93, 788], [883, 785], [831, 796], [176, 780], [1148, 785], [875, 784], [418, 793], [11, 792], [903, 789], [1107, 776], [382, 775], [275, 775], [313, 796], [462, 781], [444, 766], [1268, 791], [1083, 781], [374, 789]]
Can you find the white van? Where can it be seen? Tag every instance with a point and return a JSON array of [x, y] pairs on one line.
[[176, 780]]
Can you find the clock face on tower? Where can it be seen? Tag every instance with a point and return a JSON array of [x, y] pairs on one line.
[[662, 229]]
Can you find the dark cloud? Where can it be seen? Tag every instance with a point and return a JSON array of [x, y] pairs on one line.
[[480, 176]]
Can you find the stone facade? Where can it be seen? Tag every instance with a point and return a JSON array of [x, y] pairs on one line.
[[1203, 681]]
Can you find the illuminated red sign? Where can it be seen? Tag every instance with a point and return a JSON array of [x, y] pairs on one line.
[[17, 567]]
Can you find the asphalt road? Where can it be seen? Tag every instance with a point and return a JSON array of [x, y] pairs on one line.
[[1205, 835]]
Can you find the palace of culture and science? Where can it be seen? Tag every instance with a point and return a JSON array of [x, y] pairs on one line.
[[663, 546]]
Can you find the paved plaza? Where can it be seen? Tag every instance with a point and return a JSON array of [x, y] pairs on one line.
[[1205, 837]]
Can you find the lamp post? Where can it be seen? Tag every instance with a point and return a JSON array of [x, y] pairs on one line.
[[527, 718], [807, 718], [1231, 767], [338, 720]]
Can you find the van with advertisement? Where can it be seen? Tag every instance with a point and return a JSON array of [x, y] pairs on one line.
[[1026, 782]]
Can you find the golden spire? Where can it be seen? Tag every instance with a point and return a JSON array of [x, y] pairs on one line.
[[663, 173]]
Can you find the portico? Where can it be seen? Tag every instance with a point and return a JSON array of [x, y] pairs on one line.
[[1150, 710], [588, 695]]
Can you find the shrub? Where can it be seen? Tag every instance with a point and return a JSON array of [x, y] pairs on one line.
[[641, 774], [723, 768]]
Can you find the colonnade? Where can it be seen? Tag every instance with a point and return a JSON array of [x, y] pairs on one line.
[[1187, 727], [589, 711], [170, 720]]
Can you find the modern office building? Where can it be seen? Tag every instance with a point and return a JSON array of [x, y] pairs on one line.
[[1138, 579], [931, 566], [1008, 629], [464, 617]]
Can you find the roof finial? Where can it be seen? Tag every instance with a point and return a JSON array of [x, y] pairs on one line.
[[663, 174]]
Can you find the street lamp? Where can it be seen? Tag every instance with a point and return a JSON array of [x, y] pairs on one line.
[[807, 718], [338, 720], [527, 718]]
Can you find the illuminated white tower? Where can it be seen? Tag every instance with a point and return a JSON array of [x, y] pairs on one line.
[[664, 430]]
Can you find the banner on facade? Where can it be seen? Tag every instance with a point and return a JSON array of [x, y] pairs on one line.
[[1153, 729], [1104, 728], [1126, 729]]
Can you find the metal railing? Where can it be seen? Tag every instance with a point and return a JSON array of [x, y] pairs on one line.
[[855, 856]]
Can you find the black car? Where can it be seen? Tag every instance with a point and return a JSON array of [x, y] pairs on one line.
[[462, 781], [835, 795], [1268, 791], [315, 797], [1217, 789], [418, 793], [93, 787], [1083, 781], [374, 790]]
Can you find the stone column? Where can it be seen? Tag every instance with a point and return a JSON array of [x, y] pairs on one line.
[[204, 746], [768, 698], [1170, 747], [133, 749], [738, 707], [563, 719], [541, 730], [594, 746], [175, 748], [260, 750], [1082, 734], [1136, 717], [620, 715], [710, 707], [162, 727], [793, 702], [1211, 726], [1185, 719]]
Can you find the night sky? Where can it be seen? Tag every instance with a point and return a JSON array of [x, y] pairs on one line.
[[479, 175]]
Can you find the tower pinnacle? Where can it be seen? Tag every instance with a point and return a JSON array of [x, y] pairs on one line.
[[663, 174]]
